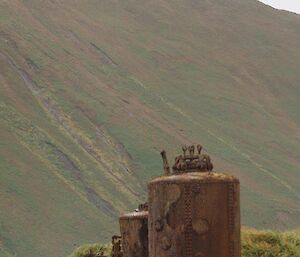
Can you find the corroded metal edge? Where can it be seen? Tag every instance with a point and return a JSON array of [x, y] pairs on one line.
[[193, 182], [198, 177], [231, 218], [134, 215], [188, 251]]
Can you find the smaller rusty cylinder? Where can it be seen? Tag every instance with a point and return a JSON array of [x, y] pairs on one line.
[[134, 232], [194, 212]]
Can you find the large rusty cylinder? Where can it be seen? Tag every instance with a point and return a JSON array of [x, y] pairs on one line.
[[134, 232], [194, 215]]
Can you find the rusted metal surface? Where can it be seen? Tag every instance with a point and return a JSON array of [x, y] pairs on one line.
[[188, 162], [142, 207], [134, 231], [194, 214], [165, 163], [117, 250]]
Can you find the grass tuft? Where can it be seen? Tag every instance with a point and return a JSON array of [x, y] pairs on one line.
[[91, 250], [270, 244]]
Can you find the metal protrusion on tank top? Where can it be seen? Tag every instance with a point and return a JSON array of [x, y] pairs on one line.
[[143, 207], [192, 162], [184, 149], [199, 148], [165, 163], [191, 150]]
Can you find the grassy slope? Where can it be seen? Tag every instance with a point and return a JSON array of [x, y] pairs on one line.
[[92, 90], [267, 243]]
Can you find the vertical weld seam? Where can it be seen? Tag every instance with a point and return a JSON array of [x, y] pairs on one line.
[[231, 218], [188, 222]]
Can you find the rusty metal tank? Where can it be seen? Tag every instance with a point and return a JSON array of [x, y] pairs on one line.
[[134, 232], [193, 212]]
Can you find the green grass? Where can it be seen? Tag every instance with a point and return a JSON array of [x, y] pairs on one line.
[[270, 244], [92, 250]]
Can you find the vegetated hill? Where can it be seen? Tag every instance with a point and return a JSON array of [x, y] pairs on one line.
[[91, 91]]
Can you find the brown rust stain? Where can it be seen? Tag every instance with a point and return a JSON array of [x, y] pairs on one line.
[[194, 212]]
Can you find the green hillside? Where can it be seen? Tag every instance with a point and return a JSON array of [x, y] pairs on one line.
[[91, 91]]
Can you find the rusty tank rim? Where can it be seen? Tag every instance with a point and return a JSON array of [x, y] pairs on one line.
[[134, 215], [197, 177]]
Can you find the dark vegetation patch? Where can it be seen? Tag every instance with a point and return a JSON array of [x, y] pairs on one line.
[[8, 40], [91, 250], [69, 166], [105, 58]]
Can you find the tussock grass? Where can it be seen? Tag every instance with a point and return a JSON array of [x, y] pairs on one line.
[[255, 243], [91, 250], [270, 244]]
